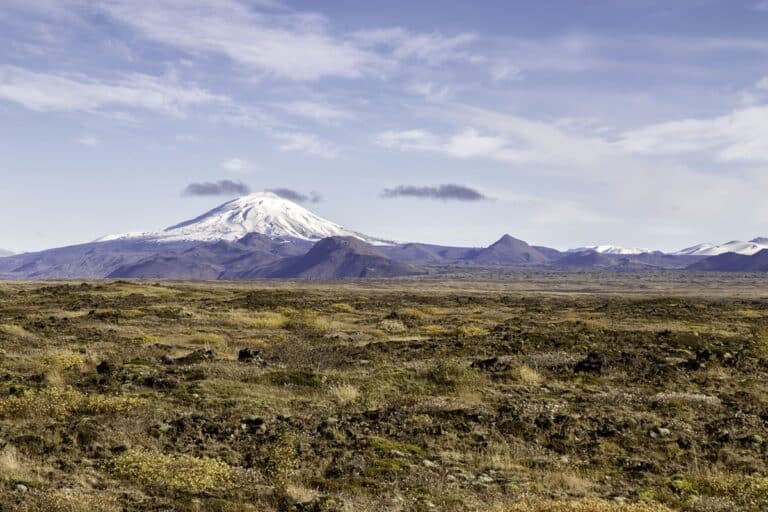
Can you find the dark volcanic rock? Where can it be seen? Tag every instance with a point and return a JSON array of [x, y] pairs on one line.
[[247, 355], [198, 356], [103, 368], [592, 364]]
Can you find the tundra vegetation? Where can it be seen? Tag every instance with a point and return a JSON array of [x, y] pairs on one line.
[[519, 392]]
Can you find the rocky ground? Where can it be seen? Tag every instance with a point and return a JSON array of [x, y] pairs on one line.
[[511, 393]]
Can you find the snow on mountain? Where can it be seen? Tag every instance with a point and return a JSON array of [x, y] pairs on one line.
[[3, 252], [612, 249], [747, 248], [262, 212]]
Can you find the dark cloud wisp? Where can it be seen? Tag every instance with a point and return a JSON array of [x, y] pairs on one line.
[[217, 188], [447, 192], [293, 195]]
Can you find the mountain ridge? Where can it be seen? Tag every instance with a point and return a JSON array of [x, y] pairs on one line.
[[264, 235], [734, 246]]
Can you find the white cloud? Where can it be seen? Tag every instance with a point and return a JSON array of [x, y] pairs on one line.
[[305, 143], [289, 45], [236, 165], [431, 48], [591, 170], [88, 140], [501, 71], [409, 140], [431, 91], [466, 143], [762, 84], [72, 92], [739, 136], [318, 112]]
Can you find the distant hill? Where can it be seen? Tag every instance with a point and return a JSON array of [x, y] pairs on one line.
[[733, 262], [509, 251], [592, 259], [334, 258], [427, 253], [586, 259], [4, 253], [212, 260]]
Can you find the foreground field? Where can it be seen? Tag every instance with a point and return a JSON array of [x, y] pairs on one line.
[[621, 393]]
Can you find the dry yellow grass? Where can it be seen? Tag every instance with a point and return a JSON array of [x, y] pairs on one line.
[[256, 319], [15, 331], [179, 472], [62, 359], [71, 501], [529, 376], [471, 331], [343, 307], [586, 505], [344, 393], [9, 460], [58, 402], [392, 326]]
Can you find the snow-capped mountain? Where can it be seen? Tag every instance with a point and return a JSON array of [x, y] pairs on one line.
[[747, 248], [3, 252], [612, 249], [263, 212]]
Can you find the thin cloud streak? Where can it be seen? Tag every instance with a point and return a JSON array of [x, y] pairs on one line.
[[217, 188], [47, 92], [448, 192], [296, 196]]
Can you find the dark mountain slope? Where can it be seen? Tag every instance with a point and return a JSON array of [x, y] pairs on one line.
[[586, 259], [85, 261], [175, 266], [732, 262], [334, 258], [427, 253]]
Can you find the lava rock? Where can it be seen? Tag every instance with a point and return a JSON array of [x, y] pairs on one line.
[[247, 355], [198, 356], [592, 364], [493, 364], [104, 368]]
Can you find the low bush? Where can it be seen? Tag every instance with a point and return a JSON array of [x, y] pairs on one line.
[[184, 473]]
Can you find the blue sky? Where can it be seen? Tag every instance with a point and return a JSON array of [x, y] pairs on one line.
[[635, 122]]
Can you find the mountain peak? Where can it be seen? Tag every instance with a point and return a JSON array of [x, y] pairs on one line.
[[265, 213], [508, 239], [510, 250]]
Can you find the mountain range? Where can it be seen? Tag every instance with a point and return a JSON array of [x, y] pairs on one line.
[[4, 252], [265, 236], [735, 246]]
